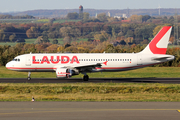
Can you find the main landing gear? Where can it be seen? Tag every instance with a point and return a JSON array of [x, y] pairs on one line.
[[85, 77], [29, 76]]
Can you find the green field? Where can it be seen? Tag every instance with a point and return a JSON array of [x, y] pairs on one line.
[[65, 20], [90, 92], [35, 20], [155, 92], [31, 41], [159, 72]]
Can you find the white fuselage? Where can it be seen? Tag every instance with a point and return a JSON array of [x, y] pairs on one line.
[[109, 61]]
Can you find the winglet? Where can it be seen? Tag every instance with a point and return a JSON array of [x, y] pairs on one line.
[[159, 43]]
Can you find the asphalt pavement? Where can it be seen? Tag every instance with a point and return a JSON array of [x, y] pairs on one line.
[[89, 110], [92, 80]]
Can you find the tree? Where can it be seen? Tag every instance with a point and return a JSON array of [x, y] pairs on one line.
[[145, 18], [52, 48], [110, 48], [67, 39], [45, 39], [60, 49], [102, 37], [123, 42], [55, 41], [2, 35], [136, 18], [51, 21], [156, 29], [72, 15], [66, 31], [29, 33], [85, 16], [39, 40], [102, 17], [13, 38]]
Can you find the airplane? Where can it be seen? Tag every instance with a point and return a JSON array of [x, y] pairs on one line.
[[67, 65]]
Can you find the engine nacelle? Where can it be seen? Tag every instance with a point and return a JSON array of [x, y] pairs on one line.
[[65, 73], [62, 73]]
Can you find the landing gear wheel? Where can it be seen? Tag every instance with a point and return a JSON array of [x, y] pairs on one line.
[[85, 77], [28, 78]]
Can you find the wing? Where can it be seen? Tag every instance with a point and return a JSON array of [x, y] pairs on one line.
[[87, 67]]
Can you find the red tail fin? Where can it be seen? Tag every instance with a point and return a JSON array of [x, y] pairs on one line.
[[159, 43]]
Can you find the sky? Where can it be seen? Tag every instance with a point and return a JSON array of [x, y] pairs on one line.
[[24, 5]]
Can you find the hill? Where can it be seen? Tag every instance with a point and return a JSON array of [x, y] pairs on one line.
[[113, 12]]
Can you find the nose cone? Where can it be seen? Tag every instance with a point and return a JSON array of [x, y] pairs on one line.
[[9, 65]]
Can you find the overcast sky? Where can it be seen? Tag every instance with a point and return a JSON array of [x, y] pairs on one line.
[[24, 5]]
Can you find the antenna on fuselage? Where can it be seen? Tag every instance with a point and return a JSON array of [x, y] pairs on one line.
[[30, 52]]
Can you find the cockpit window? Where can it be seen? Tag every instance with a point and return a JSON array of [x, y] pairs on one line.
[[16, 59]]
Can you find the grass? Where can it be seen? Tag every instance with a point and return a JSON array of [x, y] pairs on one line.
[[65, 20], [31, 41], [90, 92], [146, 92], [159, 72]]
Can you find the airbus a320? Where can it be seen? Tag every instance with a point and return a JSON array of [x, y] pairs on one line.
[[68, 64]]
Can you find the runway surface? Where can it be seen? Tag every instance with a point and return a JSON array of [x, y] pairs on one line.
[[92, 80], [89, 110]]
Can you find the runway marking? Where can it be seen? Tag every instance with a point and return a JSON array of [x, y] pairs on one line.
[[45, 110]]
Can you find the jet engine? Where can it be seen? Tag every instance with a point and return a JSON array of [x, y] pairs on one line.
[[66, 73]]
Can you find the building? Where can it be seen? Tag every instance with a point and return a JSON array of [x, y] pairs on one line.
[[81, 12], [109, 14]]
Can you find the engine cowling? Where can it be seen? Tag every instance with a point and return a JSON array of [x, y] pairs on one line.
[[62, 73], [65, 73]]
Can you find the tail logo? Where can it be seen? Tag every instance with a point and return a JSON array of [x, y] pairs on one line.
[[154, 49]]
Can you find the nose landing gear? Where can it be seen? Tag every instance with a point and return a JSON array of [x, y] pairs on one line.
[[29, 76]]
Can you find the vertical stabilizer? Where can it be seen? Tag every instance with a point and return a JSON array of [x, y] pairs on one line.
[[159, 43]]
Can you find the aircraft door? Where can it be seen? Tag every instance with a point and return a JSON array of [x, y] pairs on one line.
[[28, 60], [139, 60]]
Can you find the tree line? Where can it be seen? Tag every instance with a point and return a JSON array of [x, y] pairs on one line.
[[16, 17], [131, 32], [7, 53]]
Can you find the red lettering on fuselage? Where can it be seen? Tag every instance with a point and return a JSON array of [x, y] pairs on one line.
[[55, 60], [45, 60], [74, 59], [64, 59], [34, 60]]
